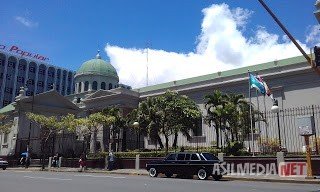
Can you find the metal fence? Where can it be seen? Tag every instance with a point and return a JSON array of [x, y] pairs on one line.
[[283, 129], [266, 134]]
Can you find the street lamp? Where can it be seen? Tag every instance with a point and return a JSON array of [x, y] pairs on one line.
[[275, 109], [136, 126]]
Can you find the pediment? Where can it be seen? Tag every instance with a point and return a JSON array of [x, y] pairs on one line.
[[99, 94], [51, 99]]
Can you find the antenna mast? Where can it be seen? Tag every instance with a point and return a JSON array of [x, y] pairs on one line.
[[147, 45]]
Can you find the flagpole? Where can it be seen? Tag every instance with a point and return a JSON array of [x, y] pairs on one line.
[[259, 127], [265, 116], [250, 115]]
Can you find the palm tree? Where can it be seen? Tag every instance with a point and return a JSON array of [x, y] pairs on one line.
[[214, 105], [235, 101]]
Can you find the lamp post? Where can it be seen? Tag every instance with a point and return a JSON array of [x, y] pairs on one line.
[[275, 109], [136, 126]]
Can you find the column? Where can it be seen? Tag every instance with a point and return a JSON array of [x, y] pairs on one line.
[[72, 84], [60, 83], [66, 84], [4, 79], [90, 86], [46, 78], [55, 76], [16, 70], [36, 79], [82, 87]]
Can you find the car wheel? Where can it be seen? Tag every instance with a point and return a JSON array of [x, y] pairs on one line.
[[153, 172], [168, 174], [217, 177], [4, 168], [202, 174]]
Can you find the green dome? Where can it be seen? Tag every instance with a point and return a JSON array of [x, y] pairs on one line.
[[97, 66]]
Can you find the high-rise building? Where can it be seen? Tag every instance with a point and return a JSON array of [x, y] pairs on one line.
[[32, 72]]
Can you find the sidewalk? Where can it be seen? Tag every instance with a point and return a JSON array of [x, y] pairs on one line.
[[261, 178]]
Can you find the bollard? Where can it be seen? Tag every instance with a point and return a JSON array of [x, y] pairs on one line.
[[137, 161], [59, 163], [106, 162], [220, 156], [280, 158], [50, 162]]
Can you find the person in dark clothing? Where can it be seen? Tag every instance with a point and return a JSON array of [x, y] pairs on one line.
[[111, 160], [82, 162]]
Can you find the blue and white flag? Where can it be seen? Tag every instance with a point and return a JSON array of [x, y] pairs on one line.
[[255, 83]]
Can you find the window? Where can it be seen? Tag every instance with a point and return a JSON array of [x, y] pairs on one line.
[[8, 90], [171, 157], [110, 86], [29, 93], [8, 77], [94, 85], [41, 71], [5, 103], [180, 157], [86, 86], [194, 157], [78, 100], [49, 86], [79, 87], [11, 64], [20, 79], [30, 82], [31, 69], [22, 67], [103, 85], [187, 158], [2, 62], [209, 156], [40, 83], [1, 75], [50, 73]]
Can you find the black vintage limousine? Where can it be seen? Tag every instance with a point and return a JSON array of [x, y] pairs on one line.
[[186, 164]]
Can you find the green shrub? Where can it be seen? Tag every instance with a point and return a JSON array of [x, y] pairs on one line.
[[235, 148]]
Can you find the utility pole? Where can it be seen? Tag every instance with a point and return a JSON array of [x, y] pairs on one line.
[[289, 35]]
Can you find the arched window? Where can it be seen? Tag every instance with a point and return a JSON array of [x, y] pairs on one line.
[[94, 85], [103, 85], [110, 86], [86, 86], [79, 87]]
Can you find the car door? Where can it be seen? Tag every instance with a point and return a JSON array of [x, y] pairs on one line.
[[195, 162], [180, 163], [169, 164]]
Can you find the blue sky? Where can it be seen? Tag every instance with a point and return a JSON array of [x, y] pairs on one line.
[[183, 34]]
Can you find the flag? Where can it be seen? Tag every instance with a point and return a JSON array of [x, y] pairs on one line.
[[268, 90], [255, 83]]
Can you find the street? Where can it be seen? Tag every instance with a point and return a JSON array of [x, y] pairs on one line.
[[28, 181]]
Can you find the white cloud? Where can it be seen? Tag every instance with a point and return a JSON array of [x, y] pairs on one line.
[[221, 46], [313, 37], [26, 22]]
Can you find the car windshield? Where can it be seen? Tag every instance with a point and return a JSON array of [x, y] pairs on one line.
[[209, 156]]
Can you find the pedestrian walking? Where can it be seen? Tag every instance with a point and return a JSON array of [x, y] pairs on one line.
[[111, 160], [82, 162]]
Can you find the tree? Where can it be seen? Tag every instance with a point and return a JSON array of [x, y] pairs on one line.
[[214, 105], [94, 123], [6, 124], [167, 115], [119, 123], [49, 127]]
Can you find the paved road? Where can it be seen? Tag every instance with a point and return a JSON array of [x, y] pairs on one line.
[[28, 181]]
